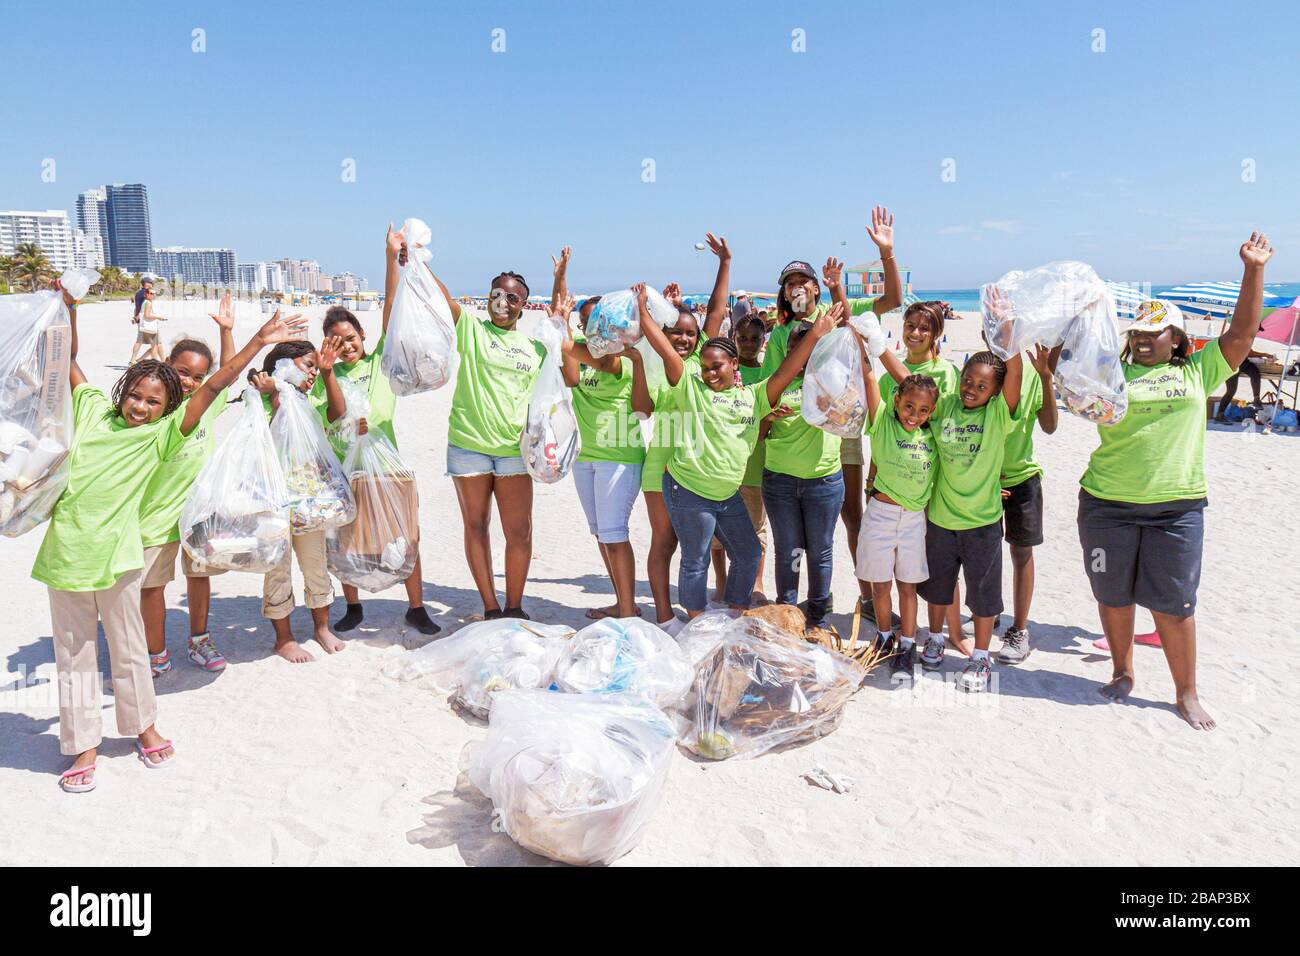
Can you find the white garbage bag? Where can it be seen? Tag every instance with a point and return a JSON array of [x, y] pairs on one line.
[[550, 442], [420, 346], [236, 514], [574, 777], [319, 495], [626, 655], [615, 322]]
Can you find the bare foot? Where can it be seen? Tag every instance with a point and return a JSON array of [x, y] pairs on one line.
[[1190, 707], [86, 761], [1117, 691], [293, 652], [962, 645], [151, 738], [326, 639]]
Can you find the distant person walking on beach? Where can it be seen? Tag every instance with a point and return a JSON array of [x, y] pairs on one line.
[[146, 285], [147, 337], [1142, 500]]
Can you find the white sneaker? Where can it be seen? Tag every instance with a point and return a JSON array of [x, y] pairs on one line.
[[975, 678], [204, 653], [672, 627], [932, 655]]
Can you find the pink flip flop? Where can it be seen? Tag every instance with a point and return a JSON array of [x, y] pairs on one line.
[[77, 787], [1150, 639], [146, 751]]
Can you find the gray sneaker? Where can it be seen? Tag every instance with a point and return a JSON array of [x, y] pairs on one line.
[[1015, 645], [974, 679], [932, 656]]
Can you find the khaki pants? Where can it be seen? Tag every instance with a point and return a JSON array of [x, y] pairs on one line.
[[277, 587], [73, 616]]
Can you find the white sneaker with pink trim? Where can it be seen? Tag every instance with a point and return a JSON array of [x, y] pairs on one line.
[[204, 653]]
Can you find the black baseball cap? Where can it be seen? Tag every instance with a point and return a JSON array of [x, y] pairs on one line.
[[798, 267]]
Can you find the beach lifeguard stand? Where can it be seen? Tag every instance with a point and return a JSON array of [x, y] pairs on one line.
[[870, 281]]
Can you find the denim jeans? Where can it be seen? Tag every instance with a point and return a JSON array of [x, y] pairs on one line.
[[803, 512], [695, 521]]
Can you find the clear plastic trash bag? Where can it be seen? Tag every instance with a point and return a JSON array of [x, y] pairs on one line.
[[834, 399], [625, 655], [574, 777], [1065, 304], [481, 659], [236, 513], [319, 495], [35, 402], [420, 346], [615, 322], [758, 688], [379, 547], [550, 442]]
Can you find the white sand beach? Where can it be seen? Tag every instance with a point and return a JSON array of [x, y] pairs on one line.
[[333, 763]]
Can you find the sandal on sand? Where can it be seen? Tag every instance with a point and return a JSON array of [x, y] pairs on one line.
[[146, 751], [77, 787], [598, 613]]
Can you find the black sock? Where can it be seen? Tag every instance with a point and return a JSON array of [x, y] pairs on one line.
[[349, 620], [419, 619], [516, 612]]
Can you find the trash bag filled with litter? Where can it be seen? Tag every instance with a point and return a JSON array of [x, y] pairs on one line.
[[615, 323], [574, 777], [35, 401], [481, 659], [760, 688], [550, 442], [1062, 304], [420, 345], [625, 655], [236, 514], [834, 398], [319, 495]]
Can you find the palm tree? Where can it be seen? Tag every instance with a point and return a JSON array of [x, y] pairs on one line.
[[29, 262], [6, 270]]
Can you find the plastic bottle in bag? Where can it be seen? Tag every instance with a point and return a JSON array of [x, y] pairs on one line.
[[833, 396], [574, 777], [1089, 376], [625, 655], [319, 495], [236, 514], [35, 402], [615, 322], [550, 442], [420, 345]]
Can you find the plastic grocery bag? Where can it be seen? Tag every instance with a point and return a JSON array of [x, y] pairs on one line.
[[379, 547], [481, 659], [834, 399], [35, 402], [420, 346], [757, 687], [615, 322], [319, 495], [236, 514], [1065, 304], [574, 777], [550, 441], [625, 655]]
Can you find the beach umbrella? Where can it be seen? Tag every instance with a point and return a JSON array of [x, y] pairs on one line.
[[1283, 326], [1127, 298]]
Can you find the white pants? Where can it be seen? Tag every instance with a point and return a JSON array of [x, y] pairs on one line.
[[891, 544], [607, 490]]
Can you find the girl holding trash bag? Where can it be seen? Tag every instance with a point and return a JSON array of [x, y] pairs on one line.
[[91, 557], [360, 370], [1142, 499]]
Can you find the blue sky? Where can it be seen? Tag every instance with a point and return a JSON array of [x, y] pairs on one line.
[[1129, 159]]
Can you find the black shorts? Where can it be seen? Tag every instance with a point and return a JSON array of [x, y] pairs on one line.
[[1143, 554], [977, 553], [1022, 512]]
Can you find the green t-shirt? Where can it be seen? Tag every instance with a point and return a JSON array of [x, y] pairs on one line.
[[602, 403], [1018, 462], [796, 448], [361, 375], [716, 434], [970, 444], [663, 438], [946, 375], [94, 533], [160, 508], [904, 460], [497, 371], [754, 467], [1156, 452], [778, 342]]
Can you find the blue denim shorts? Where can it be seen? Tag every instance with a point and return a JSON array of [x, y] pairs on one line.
[[463, 463]]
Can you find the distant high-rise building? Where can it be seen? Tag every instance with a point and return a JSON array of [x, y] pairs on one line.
[[130, 235], [303, 275], [92, 219], [87, 250], [274, 277], [251, 276], [50, 230], [210, 266]]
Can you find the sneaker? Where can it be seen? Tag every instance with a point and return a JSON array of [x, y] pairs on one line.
[[204, 653], [882, 648], [160, 664], [1015, 645], [869, 614], [932, 655], [903, 663], [974, 679], [672, 627]]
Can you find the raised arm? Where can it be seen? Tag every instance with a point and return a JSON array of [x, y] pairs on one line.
[[673, 364], [798, 357], [75, 375], [1044, 361], [201, 399], [396, 255], [225, 319], [1236, 341], [717, 309], [1011, 382], [336, 405], [642, 403], [559, 281], [881, 232], [870, 387]]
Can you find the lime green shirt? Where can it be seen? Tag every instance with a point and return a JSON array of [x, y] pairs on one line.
[[664, 438], [904, 460], [602, 403], [497, 371], [160, 508], [971, 443], [361, 375], [1018, 462], [1156, 452], [778, 343], [94, 533], [946, 376], [716, 434], [754, 467], [796, 448]]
